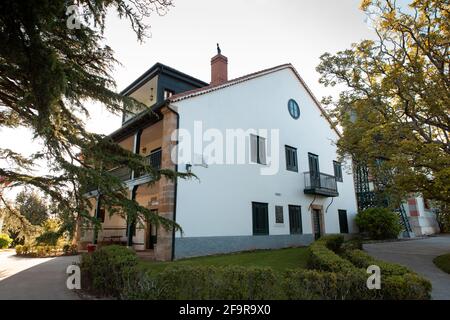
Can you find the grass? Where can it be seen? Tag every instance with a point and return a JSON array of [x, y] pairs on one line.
[[443, 262], [279, 260]]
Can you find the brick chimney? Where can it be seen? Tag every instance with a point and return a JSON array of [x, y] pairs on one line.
[[219, 68]]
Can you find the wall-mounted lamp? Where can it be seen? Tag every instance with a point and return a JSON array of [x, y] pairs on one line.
[[188, 167]]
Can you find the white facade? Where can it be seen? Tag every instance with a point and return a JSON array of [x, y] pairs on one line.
[[220, 203]]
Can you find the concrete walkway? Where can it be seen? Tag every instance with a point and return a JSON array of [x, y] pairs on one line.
[[34, 278], [418, 255]]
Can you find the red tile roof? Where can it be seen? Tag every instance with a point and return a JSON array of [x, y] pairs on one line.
[[210, 88]]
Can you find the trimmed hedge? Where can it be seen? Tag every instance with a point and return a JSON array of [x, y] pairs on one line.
[[397, 282], [206, 283], [113, 271], [323, 257], [362, 260]]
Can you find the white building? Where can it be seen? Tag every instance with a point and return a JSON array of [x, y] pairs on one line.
[[276, 184]]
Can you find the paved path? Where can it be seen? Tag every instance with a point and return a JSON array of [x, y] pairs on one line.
[[34, 278], [418, 255]]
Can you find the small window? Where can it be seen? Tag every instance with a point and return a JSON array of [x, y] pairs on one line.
[[294, 109], [291, 159], [279, 214], [337, 171], [168, 93], [260, 218], [343, 222], [258, 149]]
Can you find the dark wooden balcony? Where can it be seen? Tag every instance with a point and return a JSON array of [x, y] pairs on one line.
[[318, 183]]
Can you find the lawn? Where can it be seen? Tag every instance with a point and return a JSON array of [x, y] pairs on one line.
[[278, 260], [443, 262]]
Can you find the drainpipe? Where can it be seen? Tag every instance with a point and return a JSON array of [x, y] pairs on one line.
[[176, 182]]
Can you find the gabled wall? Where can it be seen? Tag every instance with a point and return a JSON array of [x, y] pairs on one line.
[[220, 204]]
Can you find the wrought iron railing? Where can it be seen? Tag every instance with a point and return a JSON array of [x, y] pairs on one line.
[[318, 181], [152, 160]]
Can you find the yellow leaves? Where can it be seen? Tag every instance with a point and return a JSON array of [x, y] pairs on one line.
[[365, 4]]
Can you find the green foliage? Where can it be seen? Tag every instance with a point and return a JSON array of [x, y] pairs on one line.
[[112, 271], [325, 259], [70, 249], [109, 269], [5, 241], [206, 283], [443, 262], [397, 282], [49, 238], [319, 285], [396, 102], [362, 260], [379, 223], [49, 71], [32, 206]]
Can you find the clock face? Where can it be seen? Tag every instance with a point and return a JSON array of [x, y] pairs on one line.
[[294, 109]]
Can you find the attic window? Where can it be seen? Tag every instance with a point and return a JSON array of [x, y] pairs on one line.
[[168, 93], [294, 109]]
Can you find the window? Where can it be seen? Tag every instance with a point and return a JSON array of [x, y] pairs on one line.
[[291, 159], [343, 223], [258, 149], [337, 171], [294, 109], [295, 219], [168, 93], [279, 214], [260, 218]]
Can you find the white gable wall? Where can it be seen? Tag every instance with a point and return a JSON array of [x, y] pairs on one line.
[[220, 204]]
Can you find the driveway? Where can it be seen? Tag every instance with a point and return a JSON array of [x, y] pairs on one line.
[[418, 255], [34, 278]]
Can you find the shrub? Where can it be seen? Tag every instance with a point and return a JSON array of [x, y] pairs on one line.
[[205, 283], [5, 241], [323, 258], [26, 249], [108, 269], [313, 285], [379, 223], [40, 251], [409, 286], [19, 249], [70, 249], [49, 238], [362, 260]]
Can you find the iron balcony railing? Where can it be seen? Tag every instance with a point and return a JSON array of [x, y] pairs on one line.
[[320, 184], [124, 173], [152, 160]]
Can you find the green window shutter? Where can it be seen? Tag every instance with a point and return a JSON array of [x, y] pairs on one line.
[[260, 218], [343, 221]]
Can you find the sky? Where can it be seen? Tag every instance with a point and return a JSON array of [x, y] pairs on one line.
[[253, 34]]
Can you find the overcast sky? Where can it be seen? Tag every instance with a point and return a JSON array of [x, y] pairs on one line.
[[253, 34]]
